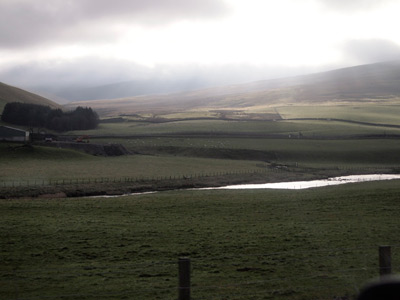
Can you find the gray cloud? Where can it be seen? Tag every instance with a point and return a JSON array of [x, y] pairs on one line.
[[353, 5], [371, 51], [26, 22], [70, 77], [85, 71]]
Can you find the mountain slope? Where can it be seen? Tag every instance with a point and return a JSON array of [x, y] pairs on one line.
[[10, 93], [366, 83], [133, 88]]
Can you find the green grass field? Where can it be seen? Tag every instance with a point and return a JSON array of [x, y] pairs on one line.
[[328, 153], [51, 163], [370, 113], [38, 163], [311, 244], [260, 244], [212, 147], [307, 128]]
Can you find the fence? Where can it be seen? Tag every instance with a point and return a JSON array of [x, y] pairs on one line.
[[128, 179], [155, 283], [176, 177], [184, 266]]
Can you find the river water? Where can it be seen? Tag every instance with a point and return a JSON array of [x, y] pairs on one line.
[[291, 185], [299, 185]]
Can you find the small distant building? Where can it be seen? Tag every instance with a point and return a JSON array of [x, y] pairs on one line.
[[11, 134]]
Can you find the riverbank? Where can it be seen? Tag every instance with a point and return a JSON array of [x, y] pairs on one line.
[[129, 186], [301, 185]]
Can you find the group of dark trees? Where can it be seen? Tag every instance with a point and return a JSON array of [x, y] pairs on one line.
[[34, 115]]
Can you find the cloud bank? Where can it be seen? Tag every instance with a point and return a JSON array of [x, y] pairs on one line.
[[68, 79], [57, 45], [26, 22], [371, 51], [351, 6]]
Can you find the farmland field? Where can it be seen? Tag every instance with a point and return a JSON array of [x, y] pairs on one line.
[[253, 244], [311, 244], [309, 128], [44, 163], [370, 152], [168, 148], [371, 113], [174, 157]]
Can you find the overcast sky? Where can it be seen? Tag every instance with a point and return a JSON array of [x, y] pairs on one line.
[[44, 42]]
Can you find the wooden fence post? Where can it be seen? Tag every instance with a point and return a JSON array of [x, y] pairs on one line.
[[184, 279], [385, 260]]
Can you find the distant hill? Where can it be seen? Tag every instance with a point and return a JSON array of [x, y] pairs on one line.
[[366, 83], [133, 88], [10, 93]]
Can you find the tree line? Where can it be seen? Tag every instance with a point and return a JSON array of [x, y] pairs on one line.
[[33, 115]]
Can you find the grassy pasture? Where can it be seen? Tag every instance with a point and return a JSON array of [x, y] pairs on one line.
[[350, 153], [169, 156], [329, 128], [212, 126], [50, 163], [370, 113], [311, 244], [27, 163], [308, 128]]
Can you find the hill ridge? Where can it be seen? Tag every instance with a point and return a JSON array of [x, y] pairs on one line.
[[9, 93], [364, 83]]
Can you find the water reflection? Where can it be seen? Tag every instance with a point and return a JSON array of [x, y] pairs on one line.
[[294, 185], [298, 185]]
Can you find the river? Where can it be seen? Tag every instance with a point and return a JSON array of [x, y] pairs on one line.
[[299, 185], [291, 185]]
